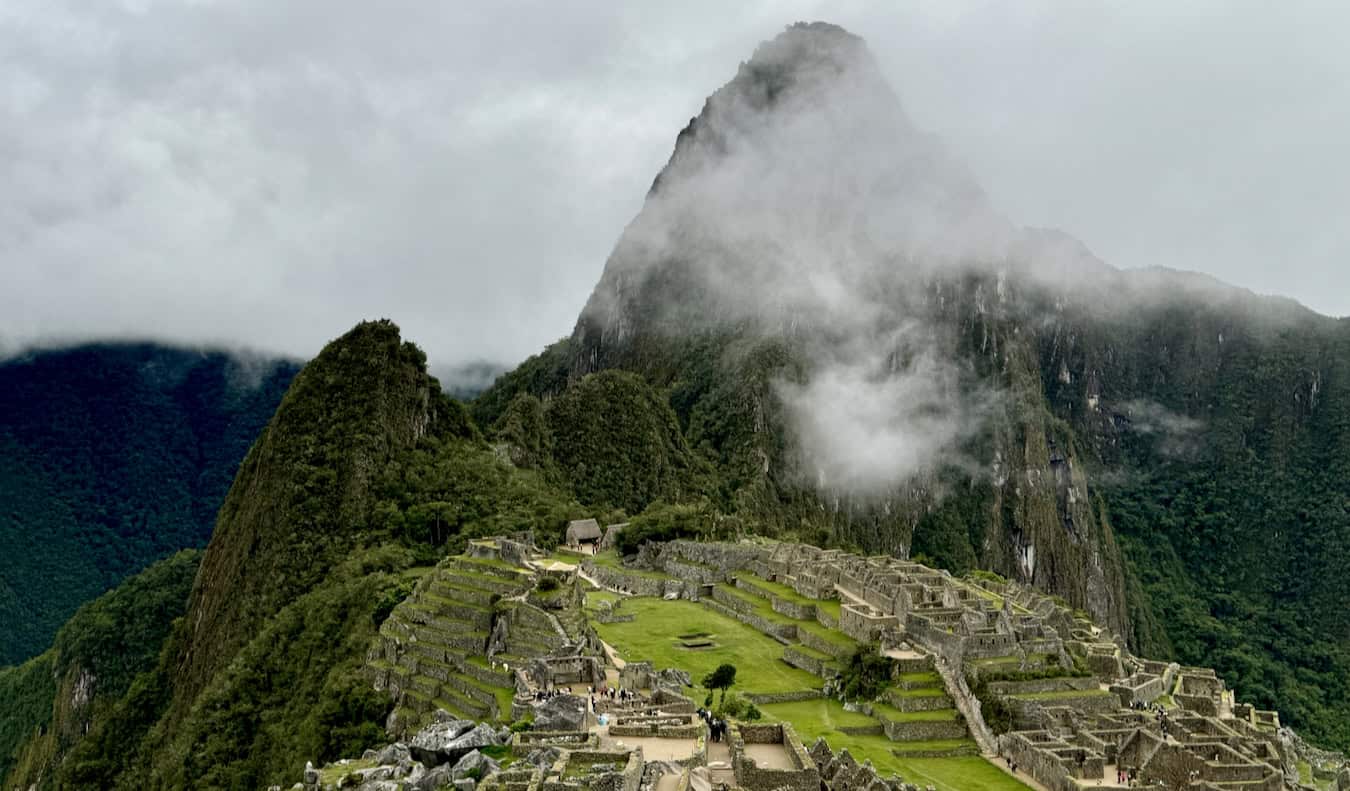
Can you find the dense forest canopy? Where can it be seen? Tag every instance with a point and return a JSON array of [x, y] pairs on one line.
[[115, 455]]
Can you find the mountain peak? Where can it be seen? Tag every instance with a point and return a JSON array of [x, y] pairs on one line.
[[805, 51], [804, 176]]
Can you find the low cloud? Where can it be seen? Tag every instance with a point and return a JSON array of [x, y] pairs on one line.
[[873, 415], [1175, 435]]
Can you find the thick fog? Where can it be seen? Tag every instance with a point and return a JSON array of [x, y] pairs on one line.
[[265, 175]]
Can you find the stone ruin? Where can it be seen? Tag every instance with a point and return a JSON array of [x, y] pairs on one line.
[[770, 757], [1081, 706]]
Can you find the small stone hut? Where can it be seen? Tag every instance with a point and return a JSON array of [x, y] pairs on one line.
[[583, 531]]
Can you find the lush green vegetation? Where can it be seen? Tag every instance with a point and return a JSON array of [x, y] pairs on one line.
[[28, 691], [294, 693], [1229, 496], [118, 635], [663, 521], [444, 492], [97, 657], [115, 455], [619, 444], [365, 472], [865, 674]]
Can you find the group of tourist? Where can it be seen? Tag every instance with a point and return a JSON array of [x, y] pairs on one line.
[[541, 695], [717, 728], [1159, 715], [1122, 776], [605, 691]]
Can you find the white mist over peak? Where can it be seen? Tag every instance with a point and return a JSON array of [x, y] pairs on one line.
[[803, 201]]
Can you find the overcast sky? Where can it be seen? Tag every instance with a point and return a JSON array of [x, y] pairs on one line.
[[266, 173]]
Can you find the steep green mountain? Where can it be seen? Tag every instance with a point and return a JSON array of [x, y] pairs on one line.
[[115, 455], [871, 356], [304, 494], [366, 474]]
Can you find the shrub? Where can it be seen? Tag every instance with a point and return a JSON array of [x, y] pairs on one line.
[[866, 674]]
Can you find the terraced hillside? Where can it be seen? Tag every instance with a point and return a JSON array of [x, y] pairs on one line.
[[433, 648]]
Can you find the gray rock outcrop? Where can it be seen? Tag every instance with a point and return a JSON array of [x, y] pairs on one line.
[[561, 713], [448, 741]]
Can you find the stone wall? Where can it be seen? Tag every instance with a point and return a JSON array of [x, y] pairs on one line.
[[803, 774], [667, 726], [1139, 688], [735, 607], [637, 583], [724, 557], [804, 661], [525, 741], [761, 698], [626, 776], [817, 643], [1049, 772], [864, 626], [920, 730], [1042, 685], [1027, 713]]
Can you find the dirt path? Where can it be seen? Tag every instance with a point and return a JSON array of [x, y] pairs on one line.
[[613, 656], [1023, 777], [719, 764]]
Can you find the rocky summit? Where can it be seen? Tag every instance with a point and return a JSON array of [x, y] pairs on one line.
[[842, 480]]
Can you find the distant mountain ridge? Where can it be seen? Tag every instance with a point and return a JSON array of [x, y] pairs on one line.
[[116, 454]]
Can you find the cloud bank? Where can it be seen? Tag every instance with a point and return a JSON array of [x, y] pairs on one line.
[[267, 174]]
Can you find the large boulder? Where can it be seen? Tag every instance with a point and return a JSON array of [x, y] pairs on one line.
[[435, 779], [673, 677], [560, 713], [395, 753], [475, 766], [438, 743], [543, 757]]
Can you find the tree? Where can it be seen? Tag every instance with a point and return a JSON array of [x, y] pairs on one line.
[[723, 678]]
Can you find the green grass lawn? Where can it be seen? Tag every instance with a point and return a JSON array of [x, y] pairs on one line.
[[896, 715], [818, 717], [594, 597], [957, 774], [653, 636]]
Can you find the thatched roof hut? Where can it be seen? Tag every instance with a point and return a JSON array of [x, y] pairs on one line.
[[583, 531]]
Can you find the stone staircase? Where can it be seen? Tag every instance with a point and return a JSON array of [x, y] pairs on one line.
[[431, 652]]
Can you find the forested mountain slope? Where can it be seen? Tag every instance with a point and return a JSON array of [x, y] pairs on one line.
[[115, 455]]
